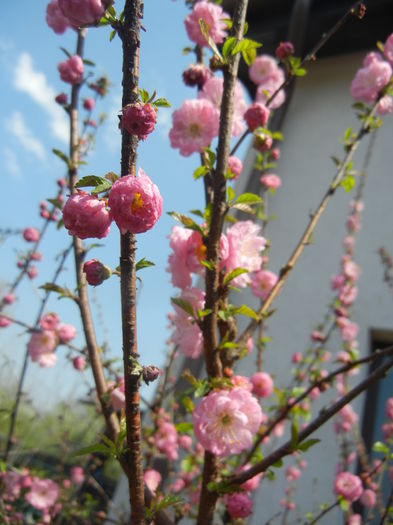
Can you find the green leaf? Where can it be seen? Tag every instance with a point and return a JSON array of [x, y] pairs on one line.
[[222, 487], [143, 263], [245, 45], [249, 56], [307, 444], [61, 155], [188, 404], [187, 50], [208, 264], [56, 203], [234, 273], [144, 95], [112, 35], [187, 464], [278, 464], [243, 207], [162, 103], [300, 72], [228, 46], [211, 157], [99, 183], [294, 434], [98, 447], [230, 194], [380, 447], [184, 305], [248, 198], [246, 310], [88, 62], [186, 221], [204, 313], [348, 183], [67, 53], [184, 427], [111, 176], [205, 32], [198, 213], [200, 172]]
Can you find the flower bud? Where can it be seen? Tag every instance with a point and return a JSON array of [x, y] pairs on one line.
[[196, 75], [284, 50], [96, 272], [139, 119]]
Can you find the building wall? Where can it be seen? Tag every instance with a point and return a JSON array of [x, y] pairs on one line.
[[319, 113]]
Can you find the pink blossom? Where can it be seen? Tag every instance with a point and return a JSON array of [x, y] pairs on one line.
[[371, 57], [296, 357], [89, 104], [368, 498], [96, 272], [71, 70], [348, 329], [348, 486], [284, 50], [4, 321], [347, 294], [43, 494], [292, 473], [242, 382], [187, 334], [31, 234], [262, 142], [337, 281], [188, 252], [11, 484], [79, 363], [135, 203], [212, 15], [265, 70], [251, 484], [166, 439], [77, 475], [355, 519], [139, 119], [271, 181], [388, 49], [265, 92], [83, 12], [349, 243], [61, 99], [194, 125], [351, 270], [32, 272], [353, 223], [245, 246], [370, 80], [389, 408], [256, 116], [185, 441], [41, 348], [235, 166], [36, 256], [152, 478], [262, 283], [196, 75], [348, 418], [387, 431], [86, 216], [275, 153], [49, 321], [9, 298], [385, 106], [262, 384], [317, 336], [66, 332], [212, 91], [239, 505], [55, 18], [226, 421]]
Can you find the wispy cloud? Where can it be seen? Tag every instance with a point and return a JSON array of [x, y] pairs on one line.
[[11, 163], [112, 137], [17, 126], [35, 84]]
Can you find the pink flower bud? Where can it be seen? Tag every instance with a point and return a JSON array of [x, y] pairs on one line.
[[256, 116], [348, 486], [77, 476], [9, 298], [89, 104], [62, 183], [61, 99], [32, 272], [71, 70], [275, 154], [55, 18], [235, 166], [135, 203], [66, 332], [139, 119], [96, 272], [36, 256], [86, 216], [83, 12], [284, 50], [271, 181], [262, 384], [368, 498], [31, 234], [239, 505], [196, 75], [79, 363], [4, 321], [185, 441], [262, 142]]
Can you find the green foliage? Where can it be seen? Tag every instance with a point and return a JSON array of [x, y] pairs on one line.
[[184, 305], [100, 184], [143, 263]]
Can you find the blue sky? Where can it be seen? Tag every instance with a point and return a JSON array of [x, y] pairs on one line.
[[31, 124]]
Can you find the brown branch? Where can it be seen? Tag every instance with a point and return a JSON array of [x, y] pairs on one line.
[[314, 219], [324, 512], [213, 364], [324, 415]]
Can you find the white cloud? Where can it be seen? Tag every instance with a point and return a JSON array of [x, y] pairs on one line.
[[11, 163], [164, 122], [17, 126], [35, 84], [111, 132]]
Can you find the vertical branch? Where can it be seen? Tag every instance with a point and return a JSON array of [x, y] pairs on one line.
[[79, 253], [213, 364], [130, 36]]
